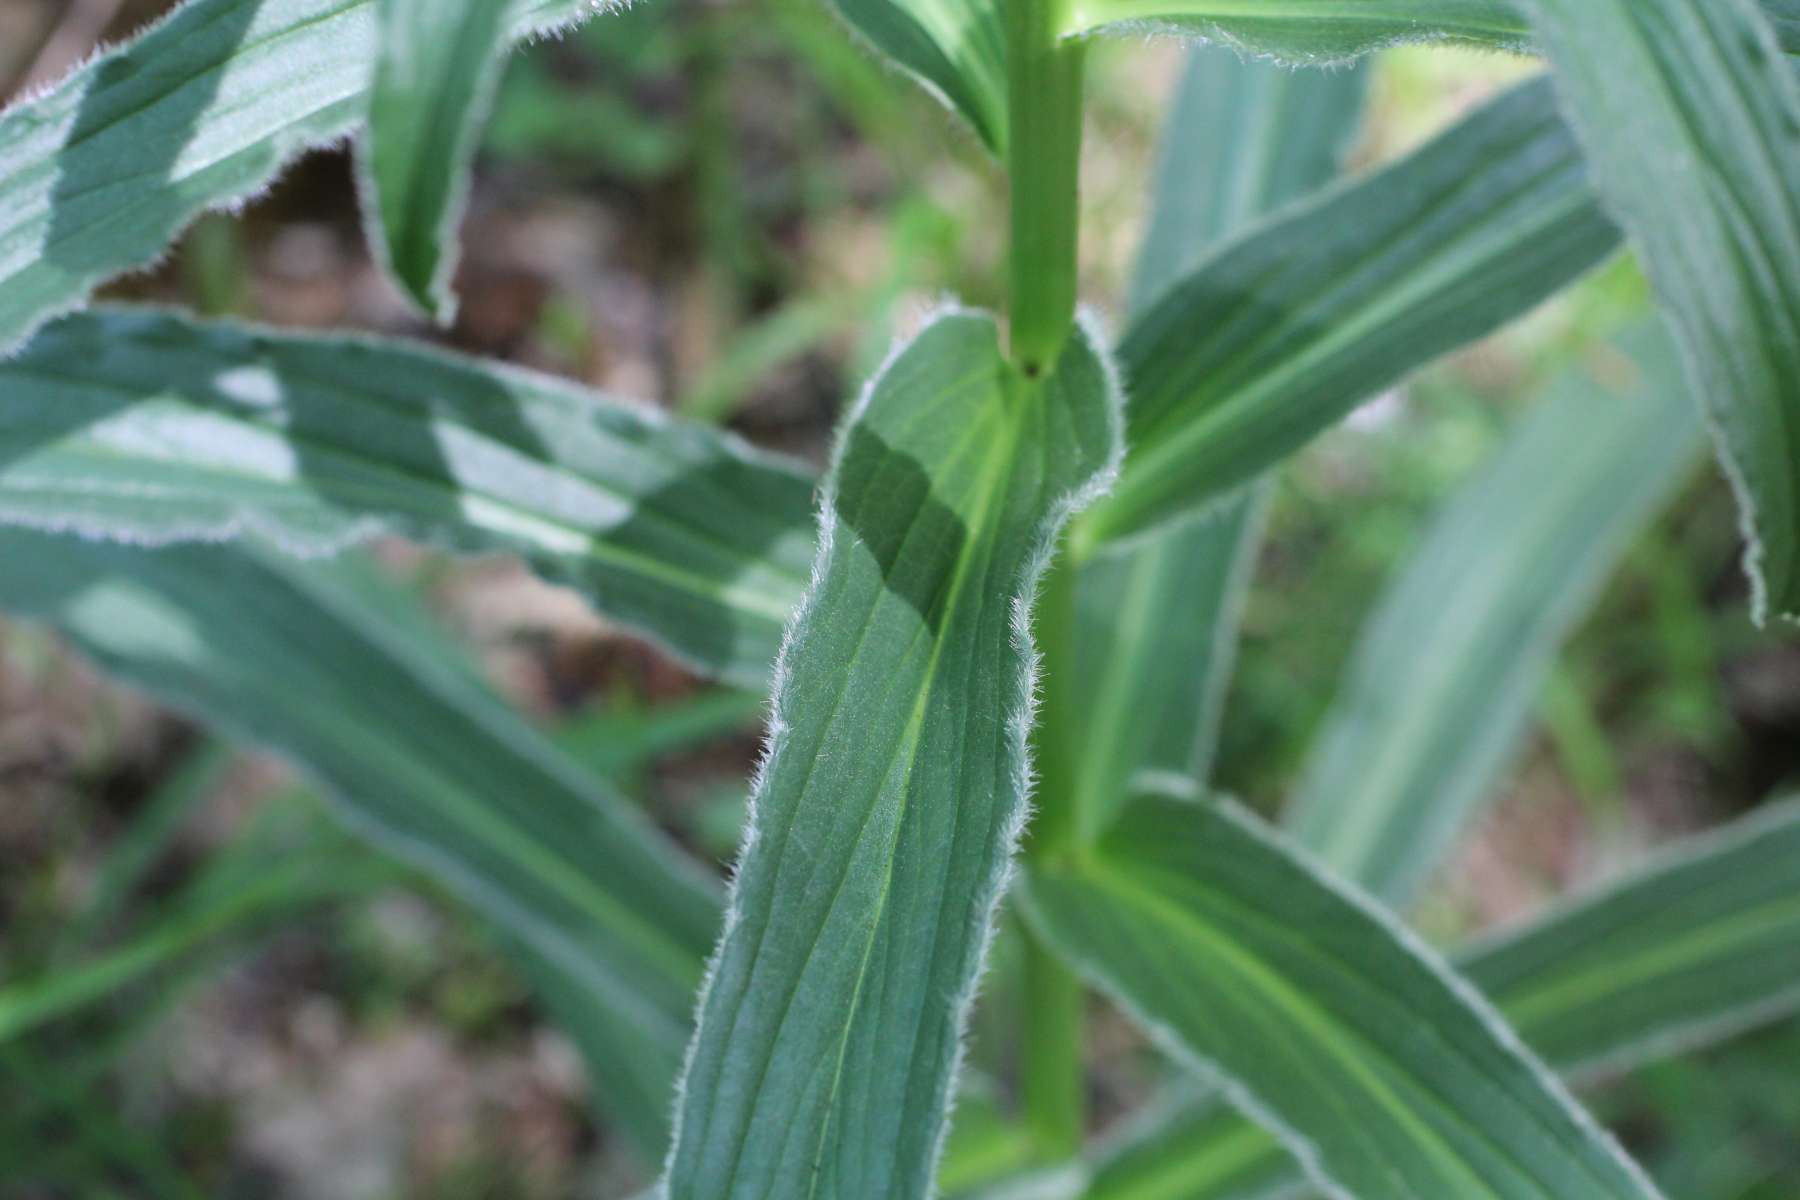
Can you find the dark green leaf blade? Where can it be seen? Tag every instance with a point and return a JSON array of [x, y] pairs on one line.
[[328, 665], [146, 427], [101, 172], [1691, 119], [1691, 948], [893, 791], [1281, 334], [1241, 957], [435, 76], [1442, 683]]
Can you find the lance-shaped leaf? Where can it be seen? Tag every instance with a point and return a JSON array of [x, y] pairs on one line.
[[1241, 140], [893, 791], [1314, 31], [1388, 1075], [1157, 617], [1691, 120], [328, 665], [1698, 945], [1692, 948], [956, 48], [434, 82], [146, 427], [1282, 333], [1442, 683], [101, 172]]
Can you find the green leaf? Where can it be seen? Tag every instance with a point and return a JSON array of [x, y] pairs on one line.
[[1691, 120], [149, 428], [1327, 31], [330, 666], [1281, 334], [893, 791], [1694, 947], [1313, 30], [1241, 140], [1157, 617], [101, 172], [1441, 686], [1242, 958], [434, 83], [955, 48]]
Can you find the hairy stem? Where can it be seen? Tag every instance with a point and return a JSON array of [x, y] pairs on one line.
[[1044, 95]]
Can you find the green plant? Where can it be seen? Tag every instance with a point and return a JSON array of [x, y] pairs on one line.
[[1025, 576]]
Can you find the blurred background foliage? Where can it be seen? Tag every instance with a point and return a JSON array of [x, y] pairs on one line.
[[730, 209]]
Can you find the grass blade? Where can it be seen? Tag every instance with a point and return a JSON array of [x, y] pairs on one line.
[[200, 112], [1442, 683], [1281, 334], [893, 790], [332, 667], [1242, 957], [146, 427], [435, 76], [1691, 119]]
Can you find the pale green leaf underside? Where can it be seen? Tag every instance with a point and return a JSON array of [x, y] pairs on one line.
[[435, 75], [1282, 333], [1691, 119], [1448, 668], [1390, 1076], [146, 427], [100, 173], [893, 792], [1692, 948], [332, 667]]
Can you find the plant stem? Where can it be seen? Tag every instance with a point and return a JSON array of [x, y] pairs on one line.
[[1051, 1087], [1044, 94]]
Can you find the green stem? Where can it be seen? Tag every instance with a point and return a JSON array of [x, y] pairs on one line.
[[1051, 1087], [1044, 95]]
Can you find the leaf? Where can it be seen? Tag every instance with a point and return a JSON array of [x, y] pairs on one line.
[[1441, 686], [1329, 31], [1692, 948], [1282, 333], [1241, 140], [893, 791], [1698, 945], [331, 667], [1313, 30], [1157, 618], [1241, 957], [146, 427], [200, 112], [1691, 119], [955, 48], [435, 76]]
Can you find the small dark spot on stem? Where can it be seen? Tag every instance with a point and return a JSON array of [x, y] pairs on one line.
[[1033, 369]]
